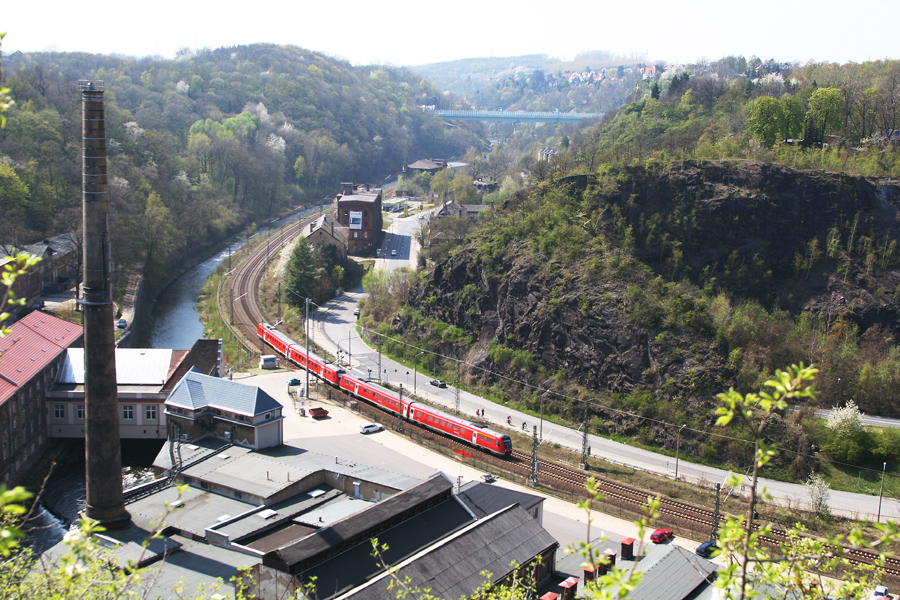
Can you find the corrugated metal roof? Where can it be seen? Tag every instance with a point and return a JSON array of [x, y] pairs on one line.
[[453, 567], [197, 391], [485, 499], [674, 569], [134, 366], [34, 342]]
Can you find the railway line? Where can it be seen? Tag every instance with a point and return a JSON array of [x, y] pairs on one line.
[[675, 512], [239, 293]]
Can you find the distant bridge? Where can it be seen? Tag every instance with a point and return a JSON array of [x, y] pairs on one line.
[[504, 116]]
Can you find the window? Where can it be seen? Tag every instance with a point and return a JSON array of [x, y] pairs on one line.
[[59, 411], [150, 412], [128, 412], [79, 411]]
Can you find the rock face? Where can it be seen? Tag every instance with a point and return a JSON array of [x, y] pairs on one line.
[[737, 228]]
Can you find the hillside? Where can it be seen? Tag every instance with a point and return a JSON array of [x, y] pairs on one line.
[[654, 287], [201, 146]]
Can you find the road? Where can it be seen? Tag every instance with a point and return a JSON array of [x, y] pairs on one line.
[[338, 332]]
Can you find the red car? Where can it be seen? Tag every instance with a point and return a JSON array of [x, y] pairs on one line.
[[660, 535]]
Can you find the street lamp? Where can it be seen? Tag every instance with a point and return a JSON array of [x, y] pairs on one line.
[[677, 448], [542, 413], [881, 493], [416, 369]]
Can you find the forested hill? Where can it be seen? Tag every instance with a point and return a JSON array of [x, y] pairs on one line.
[[653, 287], [204, 143]]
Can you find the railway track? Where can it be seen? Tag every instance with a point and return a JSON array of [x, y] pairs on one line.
[[240, 299], [673, 511]]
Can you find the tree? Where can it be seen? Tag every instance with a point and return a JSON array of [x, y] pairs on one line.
[[300, 281], [766, 122], [825, 108], [819, 493]]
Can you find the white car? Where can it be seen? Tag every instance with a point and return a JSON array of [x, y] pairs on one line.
[[393, 253], [370, 428]]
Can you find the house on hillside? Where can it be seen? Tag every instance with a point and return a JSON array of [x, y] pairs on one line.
[[325, 231], [452, 209], [425, 165], [60, 261], [27, 286]]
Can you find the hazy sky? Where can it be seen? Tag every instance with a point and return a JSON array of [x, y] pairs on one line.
[[414, 33]]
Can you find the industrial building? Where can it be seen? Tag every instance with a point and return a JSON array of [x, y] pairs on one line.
[[30, 358]]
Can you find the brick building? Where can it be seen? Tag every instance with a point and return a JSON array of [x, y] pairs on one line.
[[30, 357], [358, 208]]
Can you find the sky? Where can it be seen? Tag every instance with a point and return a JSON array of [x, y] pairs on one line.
[[410, 33]]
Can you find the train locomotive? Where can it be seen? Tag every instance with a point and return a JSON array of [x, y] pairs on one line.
[[410, 410]]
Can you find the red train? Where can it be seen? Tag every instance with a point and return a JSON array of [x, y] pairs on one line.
[[461, 429]]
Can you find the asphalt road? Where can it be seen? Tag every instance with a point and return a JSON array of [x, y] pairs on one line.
[[338, 332]]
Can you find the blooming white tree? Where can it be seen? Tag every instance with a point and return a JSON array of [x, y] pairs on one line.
[[846, 420]]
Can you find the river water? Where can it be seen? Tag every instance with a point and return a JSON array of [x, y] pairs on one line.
[[174, 323]]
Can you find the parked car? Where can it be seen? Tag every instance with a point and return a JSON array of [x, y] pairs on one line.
[[393, 253], [318, 413], [122, 324], [880, 592], [355, 312], [294, 381], [488, 478], [438, 383], [660, 535], [706, 549], [370, 428]]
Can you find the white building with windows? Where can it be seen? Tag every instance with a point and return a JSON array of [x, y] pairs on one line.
[[144, 376]]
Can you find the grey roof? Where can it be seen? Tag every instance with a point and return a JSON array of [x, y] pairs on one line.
[[199, 510], [134, 366], [197, 391], [453, 567], [320, 546], [674, 569], [356, 566], [670, 571], [485, 499]]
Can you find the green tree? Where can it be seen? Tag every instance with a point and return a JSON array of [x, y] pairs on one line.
[[766, 122], [300, 281], [825, 106]]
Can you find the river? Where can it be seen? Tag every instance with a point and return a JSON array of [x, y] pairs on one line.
[[174, 323]]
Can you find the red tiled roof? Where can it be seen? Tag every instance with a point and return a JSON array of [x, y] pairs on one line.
[[36, 340]]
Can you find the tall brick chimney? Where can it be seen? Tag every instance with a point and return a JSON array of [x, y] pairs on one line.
[[104, 499]]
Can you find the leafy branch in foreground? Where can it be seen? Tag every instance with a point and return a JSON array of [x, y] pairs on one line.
[[18, 266], [752, 570]]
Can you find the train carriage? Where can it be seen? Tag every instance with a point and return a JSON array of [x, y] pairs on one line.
[[436, 420], [462, 429]]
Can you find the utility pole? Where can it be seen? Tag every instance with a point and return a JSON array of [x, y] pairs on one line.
[[457, 387], [379, 358], [715, 520], [279, 300], [307, 349], [400, 414], [231, 301], [585, 449], [534, 468]]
